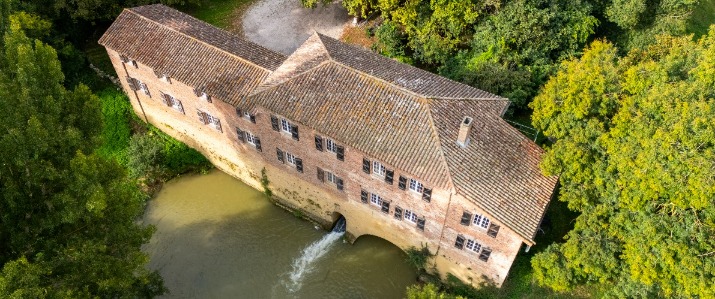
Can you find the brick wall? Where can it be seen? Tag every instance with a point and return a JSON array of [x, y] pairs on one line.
[[322, 201]]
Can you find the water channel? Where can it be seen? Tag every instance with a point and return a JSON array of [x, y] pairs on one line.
[[219, 238]]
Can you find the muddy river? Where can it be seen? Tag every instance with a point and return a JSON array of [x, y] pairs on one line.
[[219, 238]]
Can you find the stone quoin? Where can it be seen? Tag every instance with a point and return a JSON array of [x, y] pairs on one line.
[[401, 153]]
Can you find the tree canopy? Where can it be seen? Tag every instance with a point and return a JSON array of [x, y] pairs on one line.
[[67, 217], [635, 151]]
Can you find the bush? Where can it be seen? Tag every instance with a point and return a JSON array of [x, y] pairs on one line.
[[116, 132], [145, 158], [177, 157], [418, 257]]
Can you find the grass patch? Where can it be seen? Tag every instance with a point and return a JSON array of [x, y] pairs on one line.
[[220, 13], [703, 16], [116, 132]]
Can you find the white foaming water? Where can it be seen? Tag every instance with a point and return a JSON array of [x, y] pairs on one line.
[[303, 265]]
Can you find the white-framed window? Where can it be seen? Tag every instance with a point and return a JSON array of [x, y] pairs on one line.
[[331, 177], [286, 125], [376, 199], [330, 145], [165, 78], [473, 245], [175, 103], [250, 138], [481, 221], [246, 115], [378, 168], [290, 158], [410, 216], [214, 121], [416, 186]]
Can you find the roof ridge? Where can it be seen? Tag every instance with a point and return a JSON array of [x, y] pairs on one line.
[[428, 73], [440, 149], [259, 91], [199, 40]]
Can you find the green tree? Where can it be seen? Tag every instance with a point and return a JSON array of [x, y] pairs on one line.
[[635, 151], [67, 217], [428, 291]]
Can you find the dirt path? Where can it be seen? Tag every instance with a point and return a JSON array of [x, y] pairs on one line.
[[283, 25]]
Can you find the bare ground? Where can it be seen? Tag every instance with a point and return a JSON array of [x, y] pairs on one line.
[[283, 25]]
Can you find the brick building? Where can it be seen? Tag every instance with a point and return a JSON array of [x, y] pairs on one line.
[[401, 153]]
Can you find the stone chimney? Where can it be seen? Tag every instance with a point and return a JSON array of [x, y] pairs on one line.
[[464, 128]]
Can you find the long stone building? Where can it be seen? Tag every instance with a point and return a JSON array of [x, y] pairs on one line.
[[401, 153]]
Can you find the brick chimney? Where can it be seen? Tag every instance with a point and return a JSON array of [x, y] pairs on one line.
[[464, 128]]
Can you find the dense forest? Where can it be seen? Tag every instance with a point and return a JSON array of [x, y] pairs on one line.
[[623, 89]]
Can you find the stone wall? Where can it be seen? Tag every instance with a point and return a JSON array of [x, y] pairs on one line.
[[321, 201]]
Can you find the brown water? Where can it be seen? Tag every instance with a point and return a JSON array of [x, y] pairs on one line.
[[219, 238]]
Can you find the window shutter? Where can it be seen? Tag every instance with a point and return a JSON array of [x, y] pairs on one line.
[[340, 153], [389, 174], [124, 58], [319, 143], [218, 125], [402, 183], [197, 92], [398, 213], [466, 218], [181, 106], [321, 175], [166, 99], [202, 117], [240, 135], [427, 194], [253, 118], [340, 184], [239, 112], [134, 63], [131, 83], [143, 86], [493, 230], [157, 73], [299, 164], [294, 132], [279, 154], [484, 256], [208, 98], [460, 242], [366, 165], [274, 123], [385, 207], [421, 224], [363, 196], [258, 144]]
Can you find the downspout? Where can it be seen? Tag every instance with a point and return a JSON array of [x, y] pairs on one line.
[[124, 66], [444, 223]]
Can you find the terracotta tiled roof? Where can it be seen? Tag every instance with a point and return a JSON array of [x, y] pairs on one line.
[[409, 118], [498, 169], [401, 115], [190, 50]]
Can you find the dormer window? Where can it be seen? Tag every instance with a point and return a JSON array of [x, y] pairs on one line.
[[165, 78]]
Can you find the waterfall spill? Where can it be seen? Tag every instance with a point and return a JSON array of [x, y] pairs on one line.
[[303, 265]]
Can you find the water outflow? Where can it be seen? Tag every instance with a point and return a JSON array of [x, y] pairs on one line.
[[303, 265]]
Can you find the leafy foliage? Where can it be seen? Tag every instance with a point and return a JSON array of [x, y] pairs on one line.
[[67, 216], [428, 291], [635, 149]]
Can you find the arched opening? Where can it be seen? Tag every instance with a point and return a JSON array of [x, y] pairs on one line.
[[339, 224]]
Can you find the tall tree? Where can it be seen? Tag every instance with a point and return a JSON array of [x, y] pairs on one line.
[[67, 217], [635, 151]]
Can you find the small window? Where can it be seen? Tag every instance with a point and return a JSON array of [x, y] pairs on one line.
[[214, 121], [174, 103], [247, 115], [330, 145], [376, 199], [332, 178], [165, 78], [473, 245], [481, 221], [416, 186], [144, 88], [378, 168], [286, 125], [290, 158], [484, 256], [410, 216], [250, 138]]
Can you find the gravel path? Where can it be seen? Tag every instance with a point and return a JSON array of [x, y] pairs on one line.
[[283, 25]]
